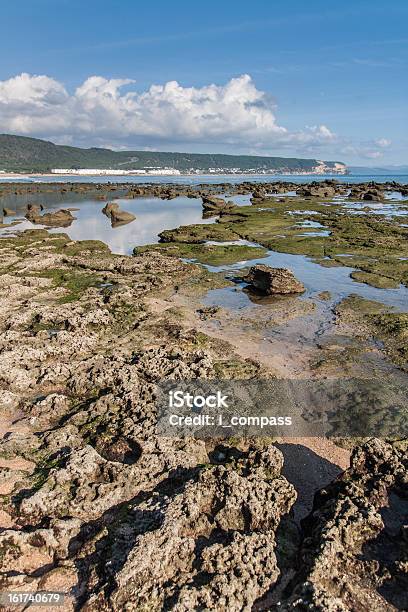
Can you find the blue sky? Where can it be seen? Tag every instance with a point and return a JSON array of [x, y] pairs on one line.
[[327, 80]]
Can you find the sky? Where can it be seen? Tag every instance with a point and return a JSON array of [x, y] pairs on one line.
[[304, 79]]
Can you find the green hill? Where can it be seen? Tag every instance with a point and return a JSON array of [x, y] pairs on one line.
[[22, 154]]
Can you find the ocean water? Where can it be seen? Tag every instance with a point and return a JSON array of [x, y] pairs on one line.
[[209, 178]]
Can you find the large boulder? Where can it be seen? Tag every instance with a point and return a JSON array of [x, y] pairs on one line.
[[215, 205], [318, 191], [258, 194], [355, 550], [121, 217], [33, 210], [273, 280], [109, 208], [116, 215], [372, 194], [59, 218]]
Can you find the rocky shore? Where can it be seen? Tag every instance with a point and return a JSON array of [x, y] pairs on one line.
[[96, 504]]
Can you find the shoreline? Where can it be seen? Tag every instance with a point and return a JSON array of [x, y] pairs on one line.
[[87, 477], [54, 179], [17, 175]]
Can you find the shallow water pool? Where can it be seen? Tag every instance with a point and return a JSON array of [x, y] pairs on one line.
[[315, 278], [153, 215]]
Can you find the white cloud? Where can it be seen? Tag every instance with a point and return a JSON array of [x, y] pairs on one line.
[[383, 142], [370, 149], [32, 90], [109, 110], [373, 154]]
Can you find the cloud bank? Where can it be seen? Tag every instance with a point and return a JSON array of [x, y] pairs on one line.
[[236, 116], [234, 113]]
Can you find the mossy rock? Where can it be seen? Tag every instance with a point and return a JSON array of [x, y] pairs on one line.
[[76, 283], [198, 233], [214, 255], [86, 246], [375, 280]]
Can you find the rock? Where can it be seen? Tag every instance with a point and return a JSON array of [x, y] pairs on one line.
[[215, 205], [355, 550], [8, 212], [117, 216], [25, 552], [59, 218], [33, 211], [372, 194], [207, 312], [121, 217], [273, 280], [317, 191], [109, 208], [324, 295], [258, 195], [212, 545]]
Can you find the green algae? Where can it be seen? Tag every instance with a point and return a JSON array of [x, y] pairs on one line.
[[375, 280], [360, 306], [198, 233], [393, 331], [236, 369], [76, 283], [391, 328], [214, 255], [370, 243], [373, 244], [59, 242], [85, 246]]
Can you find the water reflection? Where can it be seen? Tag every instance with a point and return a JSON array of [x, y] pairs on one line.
[[153, 215]]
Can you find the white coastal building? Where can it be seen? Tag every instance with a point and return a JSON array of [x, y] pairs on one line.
[[95, 171], [164, 171], [114, 172]]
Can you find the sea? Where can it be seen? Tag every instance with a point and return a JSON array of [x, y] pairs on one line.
[[206, 178]]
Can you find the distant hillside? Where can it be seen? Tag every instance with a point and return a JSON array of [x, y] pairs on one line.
[[22, 154]]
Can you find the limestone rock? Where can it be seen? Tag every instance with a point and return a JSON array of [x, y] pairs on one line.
[[59, 218], [318, 191], [273, 280], [215, 205], [121, 217], [109, 208], [354, 555], [366, 192], [213, 544], [117, 216]]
